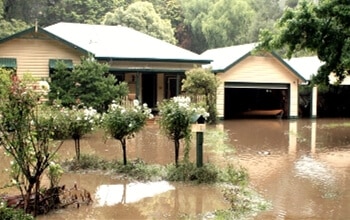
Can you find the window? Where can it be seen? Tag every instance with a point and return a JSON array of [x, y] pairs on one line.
[[53, 64], [8, 63]]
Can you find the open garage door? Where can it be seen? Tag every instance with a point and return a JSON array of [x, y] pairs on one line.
[[256, 100]]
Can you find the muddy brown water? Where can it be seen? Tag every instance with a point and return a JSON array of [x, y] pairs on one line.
[[302, 167]]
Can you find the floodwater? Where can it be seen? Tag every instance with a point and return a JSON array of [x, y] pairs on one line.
[[302, 167]]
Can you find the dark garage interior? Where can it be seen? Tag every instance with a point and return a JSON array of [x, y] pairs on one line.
[[256, 102]]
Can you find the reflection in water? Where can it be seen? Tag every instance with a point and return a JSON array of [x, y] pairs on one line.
[[108, 195], [307, 171]]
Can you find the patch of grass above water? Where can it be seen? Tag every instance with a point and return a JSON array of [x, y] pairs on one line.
[[243, 200], [141, 171]]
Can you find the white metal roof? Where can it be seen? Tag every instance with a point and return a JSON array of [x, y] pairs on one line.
[[226, 56], [119, 42], [305, 66]]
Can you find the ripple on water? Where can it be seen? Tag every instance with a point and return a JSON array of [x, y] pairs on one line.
[[318, 172]]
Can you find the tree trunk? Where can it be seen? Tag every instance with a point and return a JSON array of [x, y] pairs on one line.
[[77, 147], [177, 147], [27, 198], [123, 142]]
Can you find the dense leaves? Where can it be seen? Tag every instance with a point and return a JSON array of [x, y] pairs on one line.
[[320, 28], [202, 82], [122, 122], [88, 83], [176, 117], [25, 135], [142, 17], [196, 25]]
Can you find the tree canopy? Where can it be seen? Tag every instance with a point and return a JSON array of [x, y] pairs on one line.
[[142, 17], [322, 29], [196, 25]]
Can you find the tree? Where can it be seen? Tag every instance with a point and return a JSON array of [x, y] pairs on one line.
[[176, 117], [26, 135], [25, 10], [79, 11], [194, 14], [142, 17], [122, 122], [202, 82], [321, 28], [266, 12], [80, 121], [9, 26], [227, 23], [217, 23], [88, 83]]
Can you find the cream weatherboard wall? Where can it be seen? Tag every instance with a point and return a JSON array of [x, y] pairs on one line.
[[33, 52], [259, 69]]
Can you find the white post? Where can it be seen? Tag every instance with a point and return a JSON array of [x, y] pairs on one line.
[[314, 102]]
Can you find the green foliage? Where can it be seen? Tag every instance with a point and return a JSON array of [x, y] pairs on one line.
[[5, 82], [139, 170], [320, 28], [78, 11], [176, 118], [122, 122], [234, 176], [202, 82], [13, 214], [186, 171], [25, 135], [11, 27], [243, 203], [81, 120], [217, 25], [78, 122], [265, 16], [87, 84], [88, 162], [142, 17], [54, 174], [135, 169]]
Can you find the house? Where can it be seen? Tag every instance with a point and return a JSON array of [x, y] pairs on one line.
[[152, 68], [254, 84]]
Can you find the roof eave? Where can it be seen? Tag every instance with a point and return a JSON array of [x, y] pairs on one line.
[[150, 59], [51, 35]]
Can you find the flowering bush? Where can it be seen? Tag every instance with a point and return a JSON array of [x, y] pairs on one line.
[[25, 135], [75, 122], [121, 122], [177, 115]]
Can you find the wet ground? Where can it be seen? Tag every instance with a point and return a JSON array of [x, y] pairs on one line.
[[301, 166]]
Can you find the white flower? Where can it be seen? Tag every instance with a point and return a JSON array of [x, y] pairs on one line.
[[44, 85], [114, 106], [136, 102]]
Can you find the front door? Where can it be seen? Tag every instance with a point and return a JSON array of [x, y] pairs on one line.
[[149, 89]]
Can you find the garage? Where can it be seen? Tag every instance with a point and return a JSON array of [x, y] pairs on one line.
[[247, 100], [254, 84]]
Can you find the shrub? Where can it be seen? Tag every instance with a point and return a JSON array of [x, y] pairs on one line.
[[13, 214], [208, 173]]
